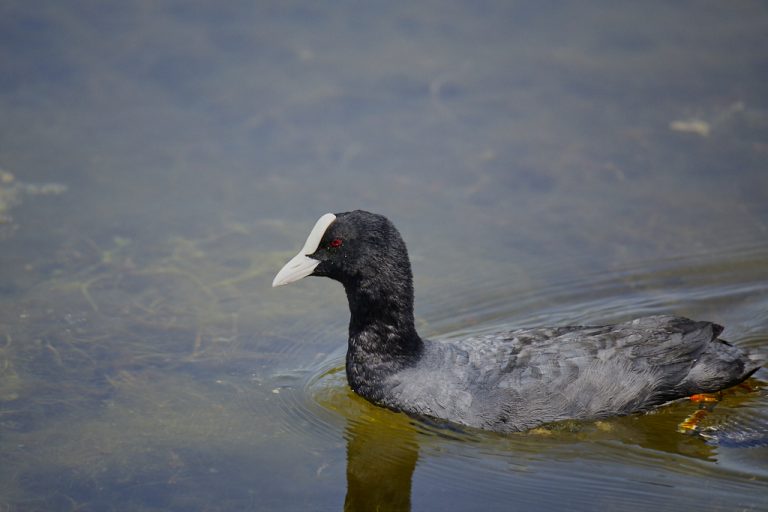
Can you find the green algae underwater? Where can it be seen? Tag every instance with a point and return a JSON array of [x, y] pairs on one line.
[[545, 164]]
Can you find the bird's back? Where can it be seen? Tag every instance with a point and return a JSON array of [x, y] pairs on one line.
[[516, 380]]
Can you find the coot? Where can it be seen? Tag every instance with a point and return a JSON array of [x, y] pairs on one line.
[[506, 381]]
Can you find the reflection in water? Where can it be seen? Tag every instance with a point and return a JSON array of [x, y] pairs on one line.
[[382, 455], [381, 458], [383, 449], [382, 446], [558, 164], [101, 363]]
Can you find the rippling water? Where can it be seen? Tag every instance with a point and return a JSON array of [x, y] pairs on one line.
[[546, 164], [622, 463]]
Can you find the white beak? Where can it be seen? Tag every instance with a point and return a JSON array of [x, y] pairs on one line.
[[301, 266]]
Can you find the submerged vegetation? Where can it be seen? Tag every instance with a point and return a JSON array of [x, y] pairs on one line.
[[125, 357], [548, 165], [13, 192]]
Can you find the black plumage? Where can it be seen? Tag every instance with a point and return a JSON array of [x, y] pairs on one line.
[[506, 381]]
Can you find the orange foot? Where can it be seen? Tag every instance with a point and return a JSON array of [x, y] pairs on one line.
[[706, 397], [707, 402], [691, 424]]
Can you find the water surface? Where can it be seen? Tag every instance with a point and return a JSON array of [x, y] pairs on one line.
[[546, 164]]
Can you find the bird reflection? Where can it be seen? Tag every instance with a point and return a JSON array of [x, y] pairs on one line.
[[383, 447], [381, 458]]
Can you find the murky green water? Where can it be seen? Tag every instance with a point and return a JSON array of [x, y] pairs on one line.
[[546, 164]]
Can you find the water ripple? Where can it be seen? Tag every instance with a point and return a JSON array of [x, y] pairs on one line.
[[731, 282], [314, 403]]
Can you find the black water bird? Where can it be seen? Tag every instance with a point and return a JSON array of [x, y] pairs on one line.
[[506, 381]]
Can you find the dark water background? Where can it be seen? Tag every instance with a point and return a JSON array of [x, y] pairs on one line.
[[547, 163]]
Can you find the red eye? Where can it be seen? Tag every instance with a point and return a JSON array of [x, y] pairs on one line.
[[335, 243]]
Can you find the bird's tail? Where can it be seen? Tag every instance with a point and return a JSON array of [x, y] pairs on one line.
[[756, 359]]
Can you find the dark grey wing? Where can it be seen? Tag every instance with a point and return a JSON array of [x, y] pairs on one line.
[[527, 377]]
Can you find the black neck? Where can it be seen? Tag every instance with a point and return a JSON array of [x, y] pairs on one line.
[[382, 335], [385, 310]]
